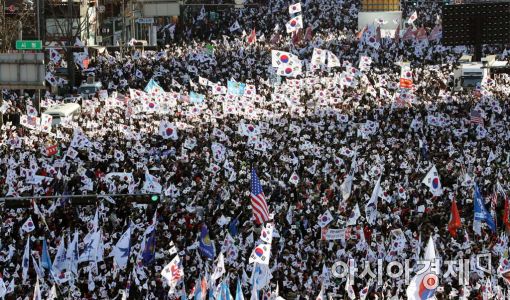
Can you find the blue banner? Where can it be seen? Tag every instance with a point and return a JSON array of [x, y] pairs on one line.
[[206, 245]]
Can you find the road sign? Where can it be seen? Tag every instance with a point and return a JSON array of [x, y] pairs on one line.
[[145, 20], [29, 45]]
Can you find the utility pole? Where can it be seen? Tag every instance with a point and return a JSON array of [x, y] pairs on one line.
[[69, 49], [123, 40], [123, 20], [1, 102], [38, 14], [20, 30], [2, 23]]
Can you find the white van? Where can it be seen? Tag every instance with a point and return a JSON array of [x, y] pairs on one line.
[[63, 110]]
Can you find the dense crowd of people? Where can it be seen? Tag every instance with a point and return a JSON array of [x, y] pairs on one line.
[[325, 144]]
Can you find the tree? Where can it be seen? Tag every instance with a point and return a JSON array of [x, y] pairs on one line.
[[69, 21], [15, 19]]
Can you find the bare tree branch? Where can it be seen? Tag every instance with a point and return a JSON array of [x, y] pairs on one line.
[[10, 23]]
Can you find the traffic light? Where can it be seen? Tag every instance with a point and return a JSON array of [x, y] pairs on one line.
[[144, 198]]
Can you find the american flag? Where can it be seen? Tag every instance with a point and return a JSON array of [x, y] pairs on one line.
[[476, 117], [258, 200]]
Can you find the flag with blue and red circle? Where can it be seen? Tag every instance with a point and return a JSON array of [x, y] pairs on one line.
[[294, 24], [261, 254], [289, 71], [282, 58], [295, 8], [432, 181]]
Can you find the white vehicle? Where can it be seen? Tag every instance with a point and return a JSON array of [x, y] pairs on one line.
[[88, 90], [470, 74], [63, 110]]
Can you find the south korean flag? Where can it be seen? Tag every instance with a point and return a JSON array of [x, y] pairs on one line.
[[266, 235], [294, 24], [325, 219], [28, 226], [261, 254], [295, 8], [294, 178], [118, 155], [289, 71], [279, 58], [168, 130], [432, 181]]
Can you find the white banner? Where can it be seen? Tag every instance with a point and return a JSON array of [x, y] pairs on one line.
[[333, 234]]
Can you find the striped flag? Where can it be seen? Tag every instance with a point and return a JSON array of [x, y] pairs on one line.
[[258, 200], [476, 117], [494, 205]]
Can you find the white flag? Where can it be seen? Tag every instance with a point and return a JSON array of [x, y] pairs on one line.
[[26, 261], [173, 249], [220, 268], [72, 255], [71, 153], [321, 294], [266, 235], [364, 63], [203, 81], [261, 254], [168, 130], [318, 57], [91, 284], [279, 58], [59, 263], [289, 71], [333, 60], [173, 273], [37, 269], [432, 181], [346, 186], [37, 290], [364, 292], [3, 288], [349, 289], [151, 184], [294, 178], [427, 281], [355, 214], [10, 288], [491, 158], [260, 276], [294, 24], [467, 181], [371, 206], [90, 251], [295, 8], [412, 18], [325, 219], [235, 27], [28, 226], [46, 122], [122, 249], [53, 293]]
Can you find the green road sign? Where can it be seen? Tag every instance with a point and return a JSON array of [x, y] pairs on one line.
[[28, 45]]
